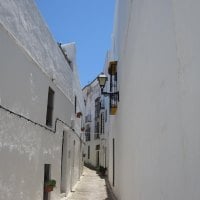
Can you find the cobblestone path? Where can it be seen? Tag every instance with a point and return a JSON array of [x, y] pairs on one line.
[[90, 187]]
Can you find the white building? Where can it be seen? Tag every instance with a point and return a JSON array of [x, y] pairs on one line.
[[95, 148], [40, 135], [154, 138], [91, 94]]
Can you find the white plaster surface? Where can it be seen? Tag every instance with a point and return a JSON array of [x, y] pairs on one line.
[[24, 148], [70, 50], [91, 92], [30, 59], [23, 21], [157, 123]]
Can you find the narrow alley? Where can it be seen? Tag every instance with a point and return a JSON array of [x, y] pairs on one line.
[[100, 100], [91, 186]]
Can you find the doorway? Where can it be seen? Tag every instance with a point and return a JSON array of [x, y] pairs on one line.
[[97, 155], [97, 158], [73, 163], [63, 185], [47, 171]]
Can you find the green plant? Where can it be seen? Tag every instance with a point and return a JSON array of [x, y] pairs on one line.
[[51, 182]]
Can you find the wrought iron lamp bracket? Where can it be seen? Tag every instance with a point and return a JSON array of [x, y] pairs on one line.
[[110, 94]]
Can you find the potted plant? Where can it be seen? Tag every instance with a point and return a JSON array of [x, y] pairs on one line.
[[102, 170], [83, 128], [49, 185]]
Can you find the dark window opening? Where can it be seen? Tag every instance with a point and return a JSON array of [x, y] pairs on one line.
[[75, 104], [97, 107], [87, 133], [113, 89], [98, 147], [49, 116], [96, 127], [102, 122], [87, 137]]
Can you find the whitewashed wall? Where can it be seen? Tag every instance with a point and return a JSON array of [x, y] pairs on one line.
[[91, 92], [24, 149], [23, 21], [24, 82], [157, 123], [92, 160], [70, 50]]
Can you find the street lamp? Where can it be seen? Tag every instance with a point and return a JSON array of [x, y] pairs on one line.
[[102, 78]]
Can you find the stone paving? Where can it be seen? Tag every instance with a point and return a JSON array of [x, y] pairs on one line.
[[90, 187]]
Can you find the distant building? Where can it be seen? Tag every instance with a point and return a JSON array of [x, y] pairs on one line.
[[94, 125], [40, 95], [91, 94]]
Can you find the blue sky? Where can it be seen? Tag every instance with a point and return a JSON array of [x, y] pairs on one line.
[[88, 23]]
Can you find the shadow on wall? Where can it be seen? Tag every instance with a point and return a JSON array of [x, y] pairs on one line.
[[109, 191]]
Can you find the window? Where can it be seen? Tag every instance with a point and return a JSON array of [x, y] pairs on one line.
[[96, 127], [87, 136], [97, 107], [87, 133], [98, 147], [114, 98], [102, 122], [49, 116]]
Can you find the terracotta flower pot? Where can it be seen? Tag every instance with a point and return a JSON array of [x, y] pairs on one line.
[[48, 188]]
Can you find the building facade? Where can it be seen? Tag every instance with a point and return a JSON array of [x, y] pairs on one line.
[[154, 136], [91, 94], [40, 134], [95, 117]]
